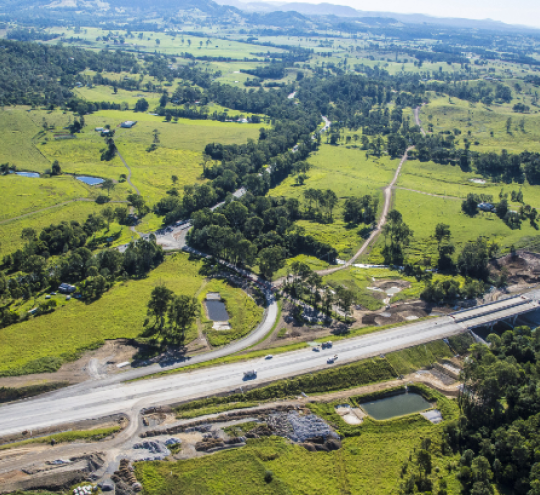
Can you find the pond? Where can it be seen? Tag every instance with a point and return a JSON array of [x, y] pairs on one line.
[[216, 310], [33, 175], [397, 405], [91, 181]]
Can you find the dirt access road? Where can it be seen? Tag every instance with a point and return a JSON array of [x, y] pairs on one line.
[[382, 221], [387, 202]]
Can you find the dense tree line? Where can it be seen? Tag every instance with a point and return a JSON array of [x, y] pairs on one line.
[[497, 433], [256, 228], [271, 71], [35, 74]]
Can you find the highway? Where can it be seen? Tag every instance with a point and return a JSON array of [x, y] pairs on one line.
[[96, 399]]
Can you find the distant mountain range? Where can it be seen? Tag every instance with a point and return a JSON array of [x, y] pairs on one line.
[[328, 9], [272, 14]]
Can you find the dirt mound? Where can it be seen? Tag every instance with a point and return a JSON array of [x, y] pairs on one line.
[[521, 268], [388, 284], [48, 481]]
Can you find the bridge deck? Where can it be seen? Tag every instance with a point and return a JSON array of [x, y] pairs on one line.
[[488, 315]]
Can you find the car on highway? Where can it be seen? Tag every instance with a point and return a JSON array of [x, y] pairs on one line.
[[250, 374], [317, 349], [269, 356], [332, 360]]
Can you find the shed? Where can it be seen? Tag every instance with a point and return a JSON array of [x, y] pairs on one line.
[[128, 124]]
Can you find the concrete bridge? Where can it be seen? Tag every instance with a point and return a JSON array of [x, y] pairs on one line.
[[507, 310]]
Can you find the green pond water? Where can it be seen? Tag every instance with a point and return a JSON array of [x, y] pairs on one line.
[[397, 405]]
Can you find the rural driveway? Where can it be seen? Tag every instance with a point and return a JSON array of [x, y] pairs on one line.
[[129, 173]]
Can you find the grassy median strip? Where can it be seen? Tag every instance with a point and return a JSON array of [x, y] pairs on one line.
[[65, 437], [204, 411]]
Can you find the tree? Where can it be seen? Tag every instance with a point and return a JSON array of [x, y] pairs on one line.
[[399, 234], [271, 259], [331, 200], [181, 313], [55, 169], [345, 298], [174, 179], [108, 214], [29, 234], [424, 461], [138, 203], [141, 105], [108, 184], [121, 214], [158, 303], [442, 232], [473, 259]]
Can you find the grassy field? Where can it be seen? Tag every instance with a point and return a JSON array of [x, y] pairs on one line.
[[119, 313], [369, 463], [68, 436], [106, 93], [244, 314], [423, 212], [358, 279], [23, 195], [481, 120], [18, 131], [349, 174], [168, 44], [10, 232]]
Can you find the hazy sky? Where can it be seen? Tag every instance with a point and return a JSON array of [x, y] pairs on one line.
[[525, 12]]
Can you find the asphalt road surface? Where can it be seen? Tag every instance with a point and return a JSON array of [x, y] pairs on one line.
[[96, 399]]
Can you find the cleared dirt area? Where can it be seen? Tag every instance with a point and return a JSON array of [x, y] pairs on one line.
[[93, 364]]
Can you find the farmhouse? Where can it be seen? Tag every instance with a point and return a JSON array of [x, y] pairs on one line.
[[485, 206], [128, 124], [66, 288]]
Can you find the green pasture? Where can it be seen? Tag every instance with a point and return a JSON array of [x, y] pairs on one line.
[[119, 313], [106, 93], [10, 232], [349, 174], [24, 195], [448, 114], [422, 213], [168, 44], [18, 131]]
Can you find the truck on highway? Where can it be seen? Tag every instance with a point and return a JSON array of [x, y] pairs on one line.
[[332, 360]]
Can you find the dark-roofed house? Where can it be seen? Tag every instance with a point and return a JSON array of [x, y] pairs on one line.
[[66, 288]]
